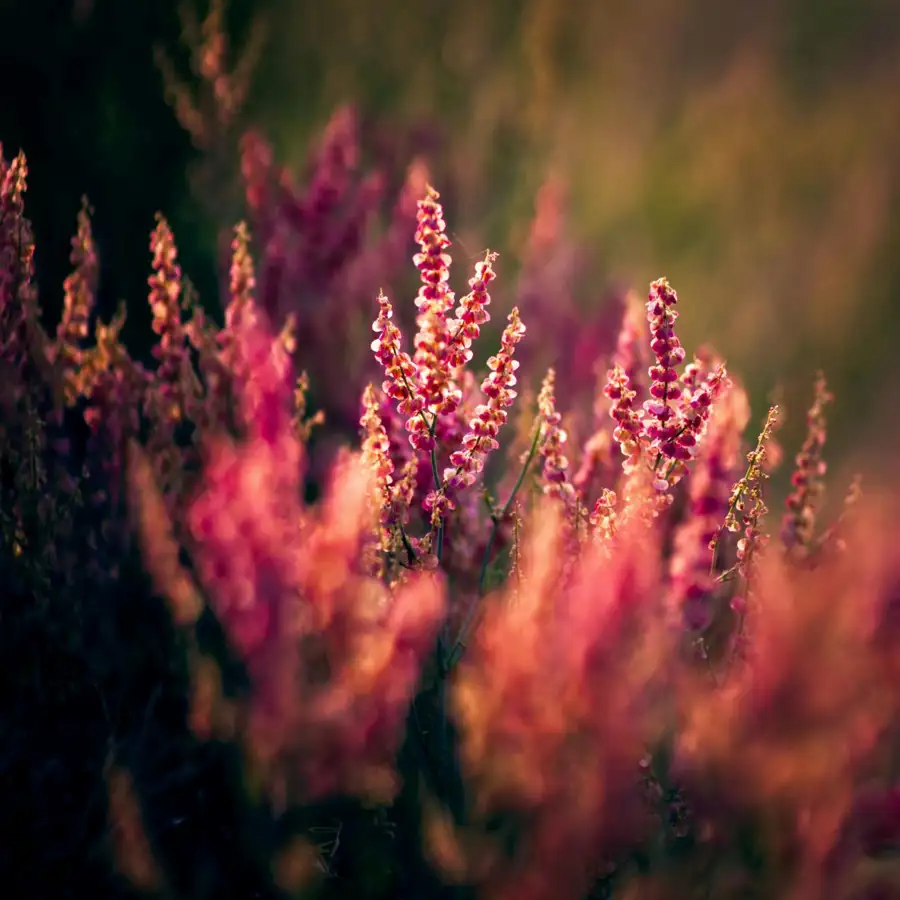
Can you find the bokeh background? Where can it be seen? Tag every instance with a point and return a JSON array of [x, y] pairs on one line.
[[748, 151]]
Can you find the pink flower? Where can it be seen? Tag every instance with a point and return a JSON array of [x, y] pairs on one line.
[[435, 300], [691, 574], [471, 313], [401, 375], [481, 437], [628, 433], [292, 590], [553, 700], [662, 423], [553, 439]]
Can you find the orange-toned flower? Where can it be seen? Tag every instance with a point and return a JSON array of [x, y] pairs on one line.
[[553, 700]]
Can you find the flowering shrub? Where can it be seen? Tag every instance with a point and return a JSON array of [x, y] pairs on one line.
[[532, 665]]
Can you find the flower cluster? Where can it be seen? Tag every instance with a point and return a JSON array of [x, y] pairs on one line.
[[529, 683]]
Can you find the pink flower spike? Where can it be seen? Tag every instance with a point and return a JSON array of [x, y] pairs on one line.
[[662, 423], [481, 437], [435, 300]]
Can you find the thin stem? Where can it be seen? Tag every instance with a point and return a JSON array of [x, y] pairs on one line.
[[410, 552], [439, 541]]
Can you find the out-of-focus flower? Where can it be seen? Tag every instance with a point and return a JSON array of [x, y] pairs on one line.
[[320, 246], [557, 295], [691, 567], [372, 641], [632, 351], [553, 700], [291, 589], [787, 731]]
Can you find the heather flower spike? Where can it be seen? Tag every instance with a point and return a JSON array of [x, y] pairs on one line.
[[376, 458], [242, 288], [481, 436], [746, 506], [471, 313], [553, 439], [165, 296], [78, 303], [628, 432], [662, 422], [401, 373], [802, 503], [437, 389]]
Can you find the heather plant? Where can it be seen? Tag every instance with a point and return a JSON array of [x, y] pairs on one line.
[[496, 657], [324, 236]]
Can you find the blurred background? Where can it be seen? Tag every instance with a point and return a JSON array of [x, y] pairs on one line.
[[750, 152]]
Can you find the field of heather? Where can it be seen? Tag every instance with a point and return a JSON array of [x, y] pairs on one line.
[[374, 562]]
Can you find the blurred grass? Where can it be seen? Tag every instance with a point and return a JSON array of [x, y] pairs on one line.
[[751, 153]]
